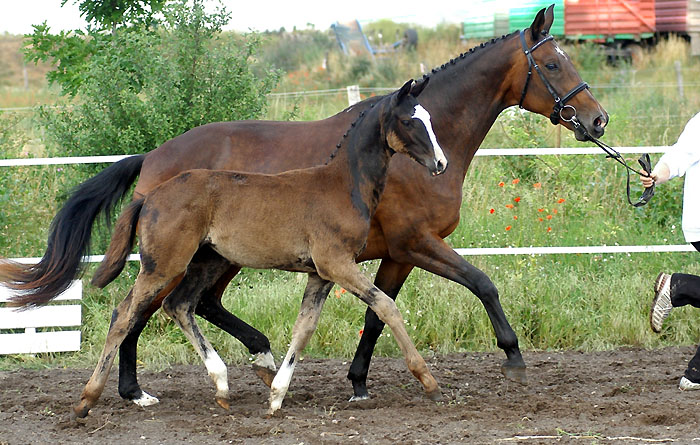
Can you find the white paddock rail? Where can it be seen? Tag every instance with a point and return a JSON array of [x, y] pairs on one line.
[[462, 251], [52, 316]]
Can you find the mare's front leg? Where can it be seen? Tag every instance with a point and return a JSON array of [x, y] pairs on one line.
[[315, 294], [433, 254], [348, 276]]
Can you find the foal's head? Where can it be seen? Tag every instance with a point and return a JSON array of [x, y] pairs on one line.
[[407, 128]]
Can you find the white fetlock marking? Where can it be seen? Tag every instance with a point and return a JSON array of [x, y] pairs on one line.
[[280, 385], [145, 400], [358, 398], [217, 371], [265, 360]]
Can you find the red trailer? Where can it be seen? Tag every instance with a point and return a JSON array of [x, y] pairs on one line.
[[608, 20], [680, 17]]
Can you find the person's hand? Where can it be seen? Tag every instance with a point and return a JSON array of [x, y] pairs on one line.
[[648, 181]]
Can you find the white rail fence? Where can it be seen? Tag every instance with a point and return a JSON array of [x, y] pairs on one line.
[[47, 319], [61, 315]]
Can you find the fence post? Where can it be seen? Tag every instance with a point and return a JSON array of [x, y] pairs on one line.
[[353, 94], [679, 78]]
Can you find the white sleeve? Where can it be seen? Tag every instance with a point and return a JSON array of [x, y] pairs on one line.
[[686, 151]]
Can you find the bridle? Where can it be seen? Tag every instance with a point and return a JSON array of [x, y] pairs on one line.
[[560, 104]]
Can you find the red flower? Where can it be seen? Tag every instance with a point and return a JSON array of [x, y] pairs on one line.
[[362, 331], [549, 229], [515, 181], [537, 185], [555, 211], [517, 199], [492, 210], [515, 216], [501, 184], [540, 219], [561, 200], [549, 216], [509, 206], [508, 228], [540, 210]]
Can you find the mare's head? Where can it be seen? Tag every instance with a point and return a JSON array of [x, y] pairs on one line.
[[553, 87], [407, 128]]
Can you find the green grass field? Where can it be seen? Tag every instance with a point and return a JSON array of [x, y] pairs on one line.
[[585, 301]]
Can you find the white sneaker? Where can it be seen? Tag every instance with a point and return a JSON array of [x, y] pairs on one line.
[[687, 385], [661, 306]]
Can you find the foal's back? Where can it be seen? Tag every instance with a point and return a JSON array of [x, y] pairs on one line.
[[254, 220]]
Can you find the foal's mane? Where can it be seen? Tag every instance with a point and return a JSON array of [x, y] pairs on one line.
[[357, 120]]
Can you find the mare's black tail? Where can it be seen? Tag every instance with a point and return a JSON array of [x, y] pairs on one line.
[[69, 235]]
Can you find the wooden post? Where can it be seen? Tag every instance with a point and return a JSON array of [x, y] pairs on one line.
[[679, 78]]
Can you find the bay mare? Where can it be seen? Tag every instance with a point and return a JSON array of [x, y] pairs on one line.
[[314, 220], [464, 98]]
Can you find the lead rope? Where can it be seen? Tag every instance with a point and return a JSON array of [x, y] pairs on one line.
[[644, 161]]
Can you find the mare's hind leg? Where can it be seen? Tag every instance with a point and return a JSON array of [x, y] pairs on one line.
[[349, 276], [390, 277], [181, 308], [124, 317], [315, 294]]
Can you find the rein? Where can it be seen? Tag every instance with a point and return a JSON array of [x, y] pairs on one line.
[[560, 105]]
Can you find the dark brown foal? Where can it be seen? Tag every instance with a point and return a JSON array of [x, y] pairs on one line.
[[314, 220]]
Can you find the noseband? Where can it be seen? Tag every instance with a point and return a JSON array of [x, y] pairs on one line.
[[559, 102], [560, 105]]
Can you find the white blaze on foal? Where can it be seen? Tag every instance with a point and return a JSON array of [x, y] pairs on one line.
[[422, 115]]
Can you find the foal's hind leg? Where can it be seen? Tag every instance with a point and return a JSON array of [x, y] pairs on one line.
[[314, 296], [123, 320], [208, 275], [181, 308]]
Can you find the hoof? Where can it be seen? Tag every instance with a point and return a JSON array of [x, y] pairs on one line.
[[145, 399], [517, 373], [434, 395], [357, 398], [224, 403], [266, 374], [81, 410]]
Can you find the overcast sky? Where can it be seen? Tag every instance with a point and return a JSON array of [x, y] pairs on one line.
[[18, 16]]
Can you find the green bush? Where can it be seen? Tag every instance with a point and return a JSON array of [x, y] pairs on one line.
[[142, 87]]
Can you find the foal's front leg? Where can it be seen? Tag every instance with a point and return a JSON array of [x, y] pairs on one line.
[[349, 277], [315, 294]]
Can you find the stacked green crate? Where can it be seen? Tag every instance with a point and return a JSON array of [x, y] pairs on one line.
[[522, 16], [488, 19]]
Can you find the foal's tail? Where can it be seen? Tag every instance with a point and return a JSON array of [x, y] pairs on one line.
[[69, 235], [120, 246]]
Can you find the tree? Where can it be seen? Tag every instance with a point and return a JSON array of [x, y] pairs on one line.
[[109, 14]]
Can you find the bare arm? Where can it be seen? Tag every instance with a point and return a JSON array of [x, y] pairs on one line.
[[659, 175]]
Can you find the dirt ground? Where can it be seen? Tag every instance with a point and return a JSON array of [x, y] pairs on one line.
[[622, 396]]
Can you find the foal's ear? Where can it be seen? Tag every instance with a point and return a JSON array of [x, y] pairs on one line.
[[542, 23], [418, 87], [403, 92]]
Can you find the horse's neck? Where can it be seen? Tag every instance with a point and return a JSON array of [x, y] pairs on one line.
[[362, 161], [465, 98]]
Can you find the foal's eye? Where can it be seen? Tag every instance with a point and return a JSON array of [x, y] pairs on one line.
[[552, 66], [406, 122]]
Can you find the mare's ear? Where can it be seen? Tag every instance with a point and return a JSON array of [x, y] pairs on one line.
[[418, 87], [542, 23], [403, 92]]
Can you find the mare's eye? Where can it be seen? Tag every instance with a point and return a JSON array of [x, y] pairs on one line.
[[552, 66], [406, 122]]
